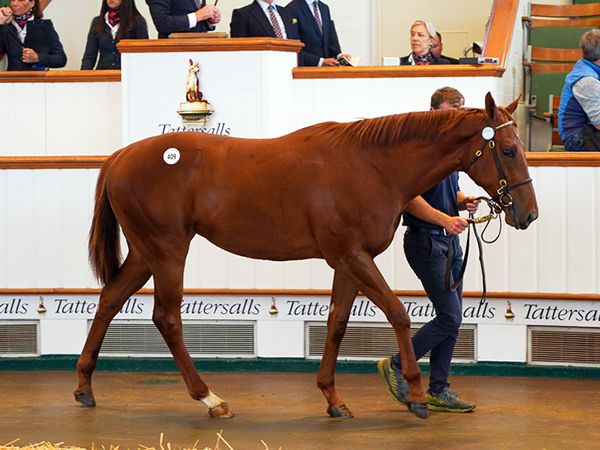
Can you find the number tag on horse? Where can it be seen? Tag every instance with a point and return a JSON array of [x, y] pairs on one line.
[[488, 133], [171, 156]]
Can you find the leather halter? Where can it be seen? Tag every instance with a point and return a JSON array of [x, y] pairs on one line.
[[497, 204], [502, 199]]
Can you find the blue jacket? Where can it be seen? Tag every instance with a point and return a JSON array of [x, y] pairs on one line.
[[105, 46], [571, 116], [170, 16], [442, 197], [41, 37], [317, 45]]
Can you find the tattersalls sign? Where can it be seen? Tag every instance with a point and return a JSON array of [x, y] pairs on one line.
[[196, 111], [207, 92], [304, 308]]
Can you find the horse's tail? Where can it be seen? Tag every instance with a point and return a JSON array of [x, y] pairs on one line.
[[104, 247]]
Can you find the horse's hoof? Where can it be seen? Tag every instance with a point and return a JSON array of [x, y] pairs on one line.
[[86, 398], [221, 411], [340, 412], [419, 409]]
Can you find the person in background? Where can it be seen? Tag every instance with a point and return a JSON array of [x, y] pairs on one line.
[[118, 19], [422, 39], [263, 18], [30, 42], [317, 32], [438, 49], [183, 16], [579, 111], [431, 239]]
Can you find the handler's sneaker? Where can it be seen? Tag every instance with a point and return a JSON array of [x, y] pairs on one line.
[[448, 401], [396, 384]]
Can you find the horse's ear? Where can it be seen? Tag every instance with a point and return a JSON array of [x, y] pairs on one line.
[[513, 106], [490, 107], [191, 62]]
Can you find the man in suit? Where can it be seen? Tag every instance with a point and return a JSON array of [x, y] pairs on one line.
[[181, 16], [263, 18], [317, 32]]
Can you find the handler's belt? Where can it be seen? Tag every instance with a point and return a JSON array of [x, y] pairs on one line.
[[433, 231]]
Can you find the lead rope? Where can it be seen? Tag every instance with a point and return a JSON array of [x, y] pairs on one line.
[[473, 221]]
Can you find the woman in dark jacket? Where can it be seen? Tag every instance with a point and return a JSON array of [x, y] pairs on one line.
[[422, 36], [118, 19], [29, 42]]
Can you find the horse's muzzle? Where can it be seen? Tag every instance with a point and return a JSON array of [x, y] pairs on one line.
[[530, 218]]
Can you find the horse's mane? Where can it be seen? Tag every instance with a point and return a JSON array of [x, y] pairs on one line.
[[395, 129]]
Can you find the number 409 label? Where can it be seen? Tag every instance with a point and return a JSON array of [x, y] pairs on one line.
[[171, 156]]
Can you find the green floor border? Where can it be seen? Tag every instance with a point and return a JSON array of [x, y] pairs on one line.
[[69, 362]]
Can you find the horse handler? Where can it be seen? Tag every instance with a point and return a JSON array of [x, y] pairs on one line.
[[433, 225]]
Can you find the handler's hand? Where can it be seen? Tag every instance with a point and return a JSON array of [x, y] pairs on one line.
[[471, 204], [455, 224]]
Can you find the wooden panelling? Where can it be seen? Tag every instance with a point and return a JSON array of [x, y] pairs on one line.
[[61, 76], [500, 30], [563, 159], [534, 159], [566, 11], [398, 71], [203, 44], [491, 296]]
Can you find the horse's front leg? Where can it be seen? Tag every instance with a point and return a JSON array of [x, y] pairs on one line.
[[359, 267], [342, 297], [132, 275]]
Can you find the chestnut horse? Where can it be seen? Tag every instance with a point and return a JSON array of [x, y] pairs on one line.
[[333, 191]]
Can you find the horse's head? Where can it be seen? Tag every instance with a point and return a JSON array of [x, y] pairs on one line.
[[498, 165]]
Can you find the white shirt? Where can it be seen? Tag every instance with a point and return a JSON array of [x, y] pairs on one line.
[[113, 30], [265, 7], [22, 33]]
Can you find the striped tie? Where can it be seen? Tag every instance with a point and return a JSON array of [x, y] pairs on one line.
[[317, 15], [275, 22]]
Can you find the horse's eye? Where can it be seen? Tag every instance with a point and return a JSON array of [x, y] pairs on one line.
[[510, 152]]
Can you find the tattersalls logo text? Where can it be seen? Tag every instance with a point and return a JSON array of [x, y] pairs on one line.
[[195, 112]]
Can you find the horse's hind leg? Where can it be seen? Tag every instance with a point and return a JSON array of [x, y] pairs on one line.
[[168, 292], [342, 297], [132, 276], [360, 269]]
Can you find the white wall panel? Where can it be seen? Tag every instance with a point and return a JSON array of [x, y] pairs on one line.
[[60, 118], [83, 118], [76, 219], [20, 250], [502, 343], [296, 275], [582, 230], [550, 187], [3, 228], [48, 224]]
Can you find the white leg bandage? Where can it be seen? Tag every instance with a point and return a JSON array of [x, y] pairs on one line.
[[212, 400]]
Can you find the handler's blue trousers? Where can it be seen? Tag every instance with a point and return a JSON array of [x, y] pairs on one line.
[[427, 255]]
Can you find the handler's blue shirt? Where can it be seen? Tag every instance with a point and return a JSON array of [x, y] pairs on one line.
[[441, 197]]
